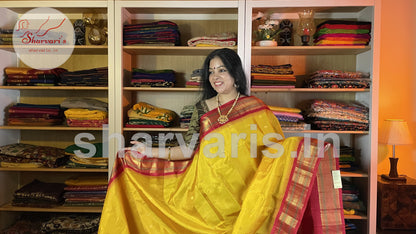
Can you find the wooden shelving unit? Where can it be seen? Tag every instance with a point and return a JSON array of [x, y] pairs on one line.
[[307, 59], [83, 57]]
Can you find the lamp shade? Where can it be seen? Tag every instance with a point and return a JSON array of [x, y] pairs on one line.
[[395, 132]]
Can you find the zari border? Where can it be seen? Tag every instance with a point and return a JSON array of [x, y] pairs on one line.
[[298, 191]]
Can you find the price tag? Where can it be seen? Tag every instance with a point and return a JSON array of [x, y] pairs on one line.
[[336, 178]]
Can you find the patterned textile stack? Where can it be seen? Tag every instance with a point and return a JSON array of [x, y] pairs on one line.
[[338, 79], [89, 77], [39, 194], [195, 80], [23, 114], [148, 116], [347, 160], [185, 115], [6, 36], [280, 76], [225, 39], [54, 223], [31, 156], [32, 77], [85, 112], [342, 33], [350, 198], [336, 115], [153, 78], [85, 161], [289, 118], [164, 33], [85, 191]]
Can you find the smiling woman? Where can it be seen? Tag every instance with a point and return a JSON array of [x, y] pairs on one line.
[[242, 176]]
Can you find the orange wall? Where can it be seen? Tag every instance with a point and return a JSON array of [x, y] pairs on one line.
[[398, 79]]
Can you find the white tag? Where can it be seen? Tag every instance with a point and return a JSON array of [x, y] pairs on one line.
[[336, 178]]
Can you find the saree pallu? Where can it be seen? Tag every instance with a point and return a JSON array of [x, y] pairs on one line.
[[233, 187]]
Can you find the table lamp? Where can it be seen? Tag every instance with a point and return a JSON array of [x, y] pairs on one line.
[[395, 132]]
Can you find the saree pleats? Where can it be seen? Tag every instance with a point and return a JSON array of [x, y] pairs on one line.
[[239, 180]]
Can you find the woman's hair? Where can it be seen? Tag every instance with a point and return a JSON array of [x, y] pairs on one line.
[[234, 66]]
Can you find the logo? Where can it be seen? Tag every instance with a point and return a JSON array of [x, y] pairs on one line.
[[43, 38]]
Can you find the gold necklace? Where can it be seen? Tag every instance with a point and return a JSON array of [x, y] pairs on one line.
[[224, 118]]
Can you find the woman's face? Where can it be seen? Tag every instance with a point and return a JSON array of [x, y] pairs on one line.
[[220, 78]]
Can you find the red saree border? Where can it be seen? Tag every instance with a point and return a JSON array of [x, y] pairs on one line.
[[295, 196], [325, 208], [147, 166]]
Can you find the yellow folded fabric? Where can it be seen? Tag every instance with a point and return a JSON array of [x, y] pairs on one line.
[[143, 110], [349, 212], [340, 42], [85, 114], [21, 165], [94, 161], [285, 109], [87, 180]]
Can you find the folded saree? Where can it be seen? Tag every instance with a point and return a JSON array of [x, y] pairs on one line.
[[145, 111], [246, 187]]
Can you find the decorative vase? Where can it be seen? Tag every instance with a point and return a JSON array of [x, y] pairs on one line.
[[267, 43], [306, 26]]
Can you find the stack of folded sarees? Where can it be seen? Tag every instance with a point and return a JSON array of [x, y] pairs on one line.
[[39, 194], [85, 112], [163, 32], [336, 115], [185, 115], [40, 223], [23, 114], [272, 76], [347, 159], [146, 115], [31, 156], [80, 156], [352, 203], [32, 77], [225, 39], [85, 191], [338, 79], [153, 78], [289, 118], [88, 77], [342, 33], [6, 36], [195, 79]]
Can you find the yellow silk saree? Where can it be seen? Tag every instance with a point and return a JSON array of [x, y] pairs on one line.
[[243, 178]]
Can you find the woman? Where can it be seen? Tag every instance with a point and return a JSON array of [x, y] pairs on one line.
[[241, 176]]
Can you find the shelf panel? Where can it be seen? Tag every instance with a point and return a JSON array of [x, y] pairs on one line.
[[358, 174], [78, 49], [307, 90], [59, 169], [65, 128], [155, 129], [171, 50], [70, 209], [174, 89], [53, 87], [309, 50]]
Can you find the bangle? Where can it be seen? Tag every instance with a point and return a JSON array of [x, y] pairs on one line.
[[169, 154]]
